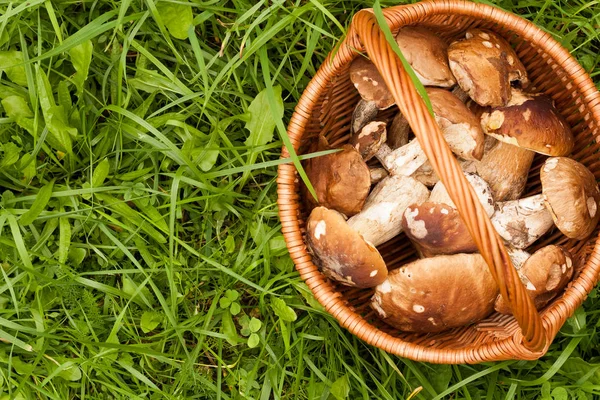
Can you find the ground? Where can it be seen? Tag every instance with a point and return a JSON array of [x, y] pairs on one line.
[[139, 238]]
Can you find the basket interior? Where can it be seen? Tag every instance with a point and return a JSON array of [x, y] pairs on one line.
[[331, 117]]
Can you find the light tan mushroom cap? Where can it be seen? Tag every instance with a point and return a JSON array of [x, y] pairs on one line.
[[437, 293], [544, 274], [369, 83], [571, 194], [436, 228], [341, 180], [340, 252], [532, 123], [484, 64], [427, 54], [505, 168], [461, 128]]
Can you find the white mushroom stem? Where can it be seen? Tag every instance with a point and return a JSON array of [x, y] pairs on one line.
[[522, 222], [404, 160], [517, 256], [377, 174], [381, 217]]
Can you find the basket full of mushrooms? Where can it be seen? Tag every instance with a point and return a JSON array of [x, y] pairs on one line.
[[457, 227]]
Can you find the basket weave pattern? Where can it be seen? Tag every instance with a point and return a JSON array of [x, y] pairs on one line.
[[326, 108]]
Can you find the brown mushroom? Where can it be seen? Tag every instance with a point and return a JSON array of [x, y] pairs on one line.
[[569, 198], [369, 139], [342, 253], [435, 227], [381, 217], [341, 180], [373, 91], [461, 128], [571, 195], [530, 122], [505, 167], [427, 55], [437, 293], [484, 65], [397, 135], [544, 274]]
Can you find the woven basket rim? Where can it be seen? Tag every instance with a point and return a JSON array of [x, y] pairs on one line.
[[511, 347]]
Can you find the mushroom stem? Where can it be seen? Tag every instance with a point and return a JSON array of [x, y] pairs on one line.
[[377, 175], [404, 160], [522, 222], [381, 217]]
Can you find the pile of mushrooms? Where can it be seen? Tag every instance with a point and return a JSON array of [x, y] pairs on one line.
[[380, 184]]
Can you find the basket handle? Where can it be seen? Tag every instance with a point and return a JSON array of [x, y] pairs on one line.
[[430, 137]]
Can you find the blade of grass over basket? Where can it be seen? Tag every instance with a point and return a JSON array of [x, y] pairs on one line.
[[389, 37], [264, 61]]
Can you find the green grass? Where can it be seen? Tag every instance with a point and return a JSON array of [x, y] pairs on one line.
[[140, 248]]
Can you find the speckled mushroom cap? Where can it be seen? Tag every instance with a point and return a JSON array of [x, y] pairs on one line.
[[461, 128], [342, 253], [530, 122], [545, 274], [484, 65], [571, 195], [369, 139], [427, 54], [437, 293], [436, 228], [370, 84], [341, 180]]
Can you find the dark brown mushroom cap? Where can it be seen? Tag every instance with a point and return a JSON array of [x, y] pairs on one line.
[[544, 274], [369, 83], [342, 253], [484, 65], [370, 138], [427, 54], [571, 195], [398, 132], [341, 180], [530, 122], [437, 293], [460, 126], [436, 228]]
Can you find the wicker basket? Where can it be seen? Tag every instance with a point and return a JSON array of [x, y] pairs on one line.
[[326, 107]]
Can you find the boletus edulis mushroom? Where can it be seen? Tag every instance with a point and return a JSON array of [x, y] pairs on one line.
[[341, 180], [342, 253], [484, 65], [435, 226], [437, 293], [531, 122], [544, 274]]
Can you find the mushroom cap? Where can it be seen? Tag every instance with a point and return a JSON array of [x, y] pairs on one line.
[[369, 83], [484, 64], [437, 228], [571, 195], [505, 168], [342, 253], [341, 181], [437, 293], [544, 275], [461, 128], [397, 135], [370, 138], [530, 122], [427, 54]]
